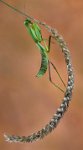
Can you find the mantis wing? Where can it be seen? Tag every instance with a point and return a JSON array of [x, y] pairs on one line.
[[37, 31], [44, 61], [34, 30], [32, 33]]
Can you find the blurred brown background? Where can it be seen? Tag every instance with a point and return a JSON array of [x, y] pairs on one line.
[[27, 103]]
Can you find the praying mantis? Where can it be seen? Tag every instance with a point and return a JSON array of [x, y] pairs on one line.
[[35, 31]]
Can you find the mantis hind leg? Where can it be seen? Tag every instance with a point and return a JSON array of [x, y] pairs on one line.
[[49, 62], [50, 78], [57, 73], [49, 43]]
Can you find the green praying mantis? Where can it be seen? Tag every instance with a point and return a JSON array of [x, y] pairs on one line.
[[35, 31]]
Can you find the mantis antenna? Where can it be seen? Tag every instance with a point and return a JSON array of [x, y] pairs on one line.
[[49, 127]]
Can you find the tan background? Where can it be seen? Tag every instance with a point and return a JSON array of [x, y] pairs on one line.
[[27, 103]]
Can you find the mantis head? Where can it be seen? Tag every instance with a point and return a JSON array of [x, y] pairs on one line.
[[27, 22]]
